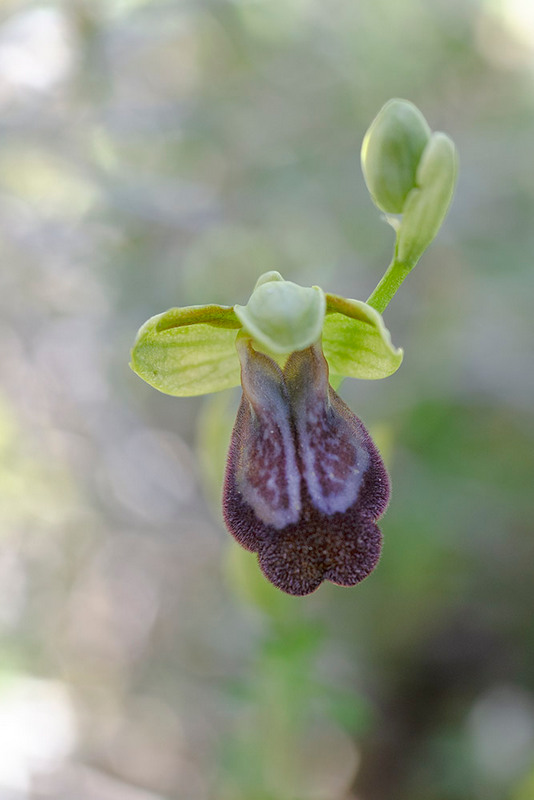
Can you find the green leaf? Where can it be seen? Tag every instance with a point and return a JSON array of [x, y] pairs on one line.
[[356, 343], [282, 316], [188, 351]]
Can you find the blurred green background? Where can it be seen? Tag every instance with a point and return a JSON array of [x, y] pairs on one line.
[[167, 152]]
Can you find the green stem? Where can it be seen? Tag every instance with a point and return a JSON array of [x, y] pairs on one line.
[[393, 277]]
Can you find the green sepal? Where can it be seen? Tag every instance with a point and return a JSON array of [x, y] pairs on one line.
[[356, 343], [282, 316], [428, 203], [188, 351]]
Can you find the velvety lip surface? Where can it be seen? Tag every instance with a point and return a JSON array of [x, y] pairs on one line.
[[304, 481]]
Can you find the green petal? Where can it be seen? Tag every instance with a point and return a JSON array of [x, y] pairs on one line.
[[356, 343], [282, 316], [188, 351]]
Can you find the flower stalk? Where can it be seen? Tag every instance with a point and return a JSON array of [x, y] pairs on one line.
[[383, 293]]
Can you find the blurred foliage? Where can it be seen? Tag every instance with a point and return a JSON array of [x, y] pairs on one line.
[[156, 153]]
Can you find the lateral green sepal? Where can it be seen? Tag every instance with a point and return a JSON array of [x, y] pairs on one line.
[[356, 343], [211, 314], [188, 351]]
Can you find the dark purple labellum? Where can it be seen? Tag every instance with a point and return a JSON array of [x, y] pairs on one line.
[[304, 481]]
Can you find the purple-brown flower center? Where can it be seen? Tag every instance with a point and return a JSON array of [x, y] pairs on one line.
[[304, 481]]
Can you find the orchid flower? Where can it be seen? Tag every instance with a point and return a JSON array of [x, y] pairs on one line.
[[305, 484]]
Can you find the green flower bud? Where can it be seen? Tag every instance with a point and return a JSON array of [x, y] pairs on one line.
[[427, 204], [282, 316], [391, 152]]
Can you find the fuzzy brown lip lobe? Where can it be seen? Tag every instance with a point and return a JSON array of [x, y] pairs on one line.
[[304, 481]]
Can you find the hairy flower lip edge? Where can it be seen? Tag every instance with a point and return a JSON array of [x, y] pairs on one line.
[[266, 393], [259, 539], [312, 543]]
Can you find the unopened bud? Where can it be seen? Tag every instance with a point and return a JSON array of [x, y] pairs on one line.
[[391, 152], [427, 205]]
